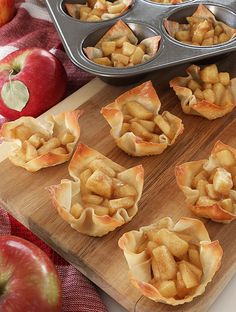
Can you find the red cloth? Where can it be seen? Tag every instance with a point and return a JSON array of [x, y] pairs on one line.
[[31, 27]]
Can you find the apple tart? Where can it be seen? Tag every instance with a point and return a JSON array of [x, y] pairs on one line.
[[202, 29], [171, 263], [206, 92], [209, 185], [97, 10], [103, 195], [119, 47], [42, 144], [136, 125]]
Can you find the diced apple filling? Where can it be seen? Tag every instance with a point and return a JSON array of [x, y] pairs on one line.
[[213, 86], [202, 31], [175, 262], [142, 122], [102, 190], [216, 183], [96, 11], [38, 144]]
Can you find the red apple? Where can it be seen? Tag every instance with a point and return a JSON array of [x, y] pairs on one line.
[[31, 81], [7, 11], [28, 279]]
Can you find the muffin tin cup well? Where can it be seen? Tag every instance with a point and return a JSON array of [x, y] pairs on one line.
[[221, 13], [63, 9], [141, 31], [76, 34]]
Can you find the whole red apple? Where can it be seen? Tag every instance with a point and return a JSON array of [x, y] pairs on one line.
[[31, 81], [7, 11], [28, 279]]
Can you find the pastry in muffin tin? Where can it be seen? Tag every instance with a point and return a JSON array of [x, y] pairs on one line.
[[202, 29], [97, 10], [119, 47], [171, 263], [103, 195], [136, 125], [42, 144], [206, 92], [209, 185]]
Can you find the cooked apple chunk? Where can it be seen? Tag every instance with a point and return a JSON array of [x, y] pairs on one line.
[[177, 246], [100, 184], [222, 181], [167, 289], [76, 210], [188, 273], [165, 261]]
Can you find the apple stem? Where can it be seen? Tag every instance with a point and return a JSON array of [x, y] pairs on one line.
[[11, 72]]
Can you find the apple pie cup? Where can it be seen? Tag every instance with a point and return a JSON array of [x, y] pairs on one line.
[[136, 125], [103, 195], [97, 10], [119, 47], [201, 29], [205, 92], [209, 185], [42, 144], [171, 263]]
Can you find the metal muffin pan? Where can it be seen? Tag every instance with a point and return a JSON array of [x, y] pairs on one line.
[[145, 18]]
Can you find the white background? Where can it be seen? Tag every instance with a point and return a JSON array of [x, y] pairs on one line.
[[225, 303]]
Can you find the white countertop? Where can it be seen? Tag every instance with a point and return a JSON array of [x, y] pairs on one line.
[[225, 303]]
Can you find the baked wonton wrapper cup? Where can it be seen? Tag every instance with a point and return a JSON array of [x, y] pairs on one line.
[[189, 102], [184, 175], [191, 105], [133, 145], [202, 12], [64, 194], [73, 9], [53, 125], [118, 30], [140, 266]]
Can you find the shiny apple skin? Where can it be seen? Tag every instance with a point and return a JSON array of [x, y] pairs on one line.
[[7, 11], [31, 281], [43, 75]]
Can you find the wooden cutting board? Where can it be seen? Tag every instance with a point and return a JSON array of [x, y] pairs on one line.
[[23, 194]]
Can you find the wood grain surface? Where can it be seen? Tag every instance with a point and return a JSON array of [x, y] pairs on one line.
[[24, 194]]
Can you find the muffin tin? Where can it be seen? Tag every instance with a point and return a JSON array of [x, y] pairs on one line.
[[145, 18]]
